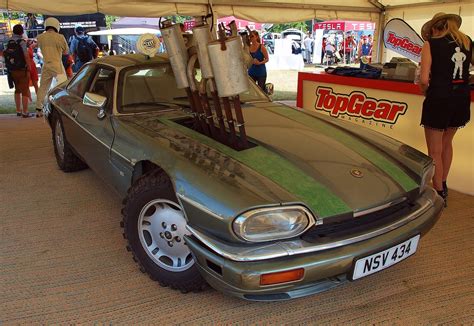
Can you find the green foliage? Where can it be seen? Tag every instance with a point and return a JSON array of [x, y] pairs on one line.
[[178, 19], [278, 28], [12, 14], [109, 20]]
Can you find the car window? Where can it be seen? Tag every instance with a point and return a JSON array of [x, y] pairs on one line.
[[79, 85], [153, 88], [149, 88], [103, 84]]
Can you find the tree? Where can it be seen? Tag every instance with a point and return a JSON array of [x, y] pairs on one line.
[[109, 20], [278, 28]]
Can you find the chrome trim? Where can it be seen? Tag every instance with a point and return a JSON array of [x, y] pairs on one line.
[[199, 206], [298, 247], [378, 208], [239, 221]]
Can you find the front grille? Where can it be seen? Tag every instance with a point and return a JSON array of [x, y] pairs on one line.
[[356, 225]]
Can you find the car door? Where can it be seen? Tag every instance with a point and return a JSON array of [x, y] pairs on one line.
[[95, 133], [75, 92]]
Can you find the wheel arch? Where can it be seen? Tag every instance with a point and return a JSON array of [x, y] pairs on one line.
[[144, 167]]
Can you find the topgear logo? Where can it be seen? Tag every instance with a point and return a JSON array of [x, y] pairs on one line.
[[357, 104], [403, 43]]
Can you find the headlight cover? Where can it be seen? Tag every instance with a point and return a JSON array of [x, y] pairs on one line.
[[427, 176], [273, 223]]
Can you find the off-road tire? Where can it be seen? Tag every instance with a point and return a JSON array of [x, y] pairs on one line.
[[153, 186], [69, 161]]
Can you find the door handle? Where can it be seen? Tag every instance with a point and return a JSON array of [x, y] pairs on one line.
[[74, 114]]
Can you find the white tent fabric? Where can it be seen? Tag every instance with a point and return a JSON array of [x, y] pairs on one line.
[[126, 31], [269, 11]]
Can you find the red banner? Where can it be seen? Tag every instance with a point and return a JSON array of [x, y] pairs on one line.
[[341, 25]]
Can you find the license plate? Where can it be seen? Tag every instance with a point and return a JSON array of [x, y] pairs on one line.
[[384, 259]]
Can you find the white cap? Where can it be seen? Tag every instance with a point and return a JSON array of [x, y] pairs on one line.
[[52, 22]]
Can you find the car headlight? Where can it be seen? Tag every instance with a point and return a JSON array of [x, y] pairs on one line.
[[273, 223], [427, 176]]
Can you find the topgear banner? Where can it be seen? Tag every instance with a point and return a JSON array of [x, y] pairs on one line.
[[399, 37]]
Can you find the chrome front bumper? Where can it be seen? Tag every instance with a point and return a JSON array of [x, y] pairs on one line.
[[236, 270]]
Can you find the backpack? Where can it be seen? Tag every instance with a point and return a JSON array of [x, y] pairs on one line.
[[14, 55], [83, 51]]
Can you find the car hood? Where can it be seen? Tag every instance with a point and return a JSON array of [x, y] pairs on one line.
[[327, 167]]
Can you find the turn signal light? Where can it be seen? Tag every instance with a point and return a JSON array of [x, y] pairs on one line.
[[282, 277]]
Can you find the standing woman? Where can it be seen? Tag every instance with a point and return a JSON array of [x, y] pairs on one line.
[[258, 71], [444, 80]]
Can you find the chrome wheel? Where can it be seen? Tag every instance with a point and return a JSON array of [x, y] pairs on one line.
[[161, 227], [59, 139]]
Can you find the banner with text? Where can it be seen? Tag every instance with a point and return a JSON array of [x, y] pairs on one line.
[[399, 37]]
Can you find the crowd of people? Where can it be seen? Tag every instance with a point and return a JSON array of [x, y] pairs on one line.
[[348, 50], [57, 58]]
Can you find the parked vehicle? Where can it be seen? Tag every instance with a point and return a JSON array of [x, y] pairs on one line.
[[268, 40], [297, 36], [311, 203]]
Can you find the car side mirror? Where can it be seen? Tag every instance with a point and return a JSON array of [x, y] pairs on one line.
[[269, 88], [94, 100]]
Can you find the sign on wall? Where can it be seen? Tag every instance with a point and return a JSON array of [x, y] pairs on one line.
[[357, 104]]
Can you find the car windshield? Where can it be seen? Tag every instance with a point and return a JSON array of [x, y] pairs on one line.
[[153, 88]]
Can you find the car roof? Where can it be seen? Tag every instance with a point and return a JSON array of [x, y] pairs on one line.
[[127, 60]]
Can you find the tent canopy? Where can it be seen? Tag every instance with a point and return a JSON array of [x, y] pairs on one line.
[[126, 31], [264, 11], [268, 11], [143, 22]]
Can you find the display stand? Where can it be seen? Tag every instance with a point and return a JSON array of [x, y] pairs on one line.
[[389, 107]]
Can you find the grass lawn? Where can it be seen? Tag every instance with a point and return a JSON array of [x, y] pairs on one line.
[[10, 107]]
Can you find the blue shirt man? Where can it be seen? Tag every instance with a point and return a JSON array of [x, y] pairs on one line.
[[82, 48], [364, 53]]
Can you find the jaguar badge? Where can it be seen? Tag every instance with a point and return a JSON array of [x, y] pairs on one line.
[[357, 173]]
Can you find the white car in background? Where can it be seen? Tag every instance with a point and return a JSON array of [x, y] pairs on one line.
[[296, 36]]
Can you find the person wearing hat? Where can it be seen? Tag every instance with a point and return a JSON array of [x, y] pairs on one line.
[[444, 79], [83, 48], [53, 45]]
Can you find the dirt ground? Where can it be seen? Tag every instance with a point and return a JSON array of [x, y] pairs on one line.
[[63, 260]]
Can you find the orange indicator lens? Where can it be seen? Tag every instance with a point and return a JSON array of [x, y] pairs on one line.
[[282, 277]]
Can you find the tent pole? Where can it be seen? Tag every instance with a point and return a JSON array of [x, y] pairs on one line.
[[381, 51]]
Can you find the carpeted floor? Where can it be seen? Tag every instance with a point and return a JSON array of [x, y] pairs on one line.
[[63, 260]]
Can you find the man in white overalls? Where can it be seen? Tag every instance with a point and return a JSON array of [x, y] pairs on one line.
[[53, 45], [458, 58]]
